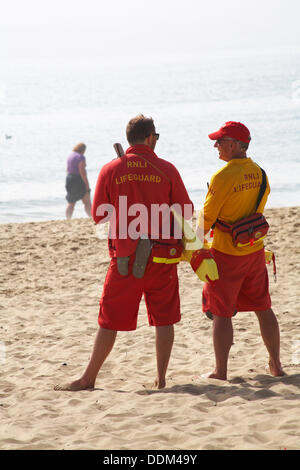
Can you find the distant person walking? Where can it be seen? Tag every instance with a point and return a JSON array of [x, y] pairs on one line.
[[77, 184]]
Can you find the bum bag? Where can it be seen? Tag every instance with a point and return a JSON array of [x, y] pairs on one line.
[[157, 252], [167, 253], [246, 231], [251, 229]]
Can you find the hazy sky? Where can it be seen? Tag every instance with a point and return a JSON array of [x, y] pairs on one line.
[[79, 28]]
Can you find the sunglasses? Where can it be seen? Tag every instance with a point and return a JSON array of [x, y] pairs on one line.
[[219, 141], [155, 135]]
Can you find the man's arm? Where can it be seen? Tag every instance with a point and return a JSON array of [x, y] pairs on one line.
[[83, 174], [101, 197], [215, 198], [179, 195]]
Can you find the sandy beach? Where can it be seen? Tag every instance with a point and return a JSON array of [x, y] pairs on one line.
[[51, 280]]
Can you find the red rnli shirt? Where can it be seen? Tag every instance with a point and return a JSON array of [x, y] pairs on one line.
[[137, 190]]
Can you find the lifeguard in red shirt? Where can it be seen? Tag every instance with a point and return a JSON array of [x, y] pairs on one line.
[[137, 193]]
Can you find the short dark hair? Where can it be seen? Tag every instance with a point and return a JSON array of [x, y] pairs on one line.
[[139, 128]]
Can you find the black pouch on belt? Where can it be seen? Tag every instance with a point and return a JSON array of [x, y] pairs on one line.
[[142, 254]]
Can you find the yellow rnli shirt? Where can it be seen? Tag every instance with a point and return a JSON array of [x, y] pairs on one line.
[[232, 195]]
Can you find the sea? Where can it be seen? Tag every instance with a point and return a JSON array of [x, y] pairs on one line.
[[48, 106]]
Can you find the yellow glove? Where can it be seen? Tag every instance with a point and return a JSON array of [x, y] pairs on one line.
[[202, 264], [208, 270]]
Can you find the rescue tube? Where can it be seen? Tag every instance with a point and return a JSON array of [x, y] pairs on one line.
[[196, 253]]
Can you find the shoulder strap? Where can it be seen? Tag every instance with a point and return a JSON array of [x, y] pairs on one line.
[[262, 188], [227, 227]]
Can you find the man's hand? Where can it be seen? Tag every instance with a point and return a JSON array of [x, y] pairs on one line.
[[204, 265]]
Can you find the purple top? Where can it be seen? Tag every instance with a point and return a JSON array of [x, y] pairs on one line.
[[73, 163]]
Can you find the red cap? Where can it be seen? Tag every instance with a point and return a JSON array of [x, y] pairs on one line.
[[235, 130]]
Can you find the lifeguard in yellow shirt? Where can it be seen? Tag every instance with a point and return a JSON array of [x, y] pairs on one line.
[[243, 278]]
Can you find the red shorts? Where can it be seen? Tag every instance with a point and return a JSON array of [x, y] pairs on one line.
[[121, 296], [243, 285]]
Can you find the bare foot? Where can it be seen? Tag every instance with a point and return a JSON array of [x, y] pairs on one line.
[[74, 386], [275, 369], [158, 384], [214, 375]]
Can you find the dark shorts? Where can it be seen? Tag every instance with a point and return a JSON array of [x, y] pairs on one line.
[[75, 187], [243, 285], [121, 297]]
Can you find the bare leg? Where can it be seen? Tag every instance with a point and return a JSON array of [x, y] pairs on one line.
[[87, 203], [270, 334], [70, 209], [103, 345], [222, 339], [164, 344]]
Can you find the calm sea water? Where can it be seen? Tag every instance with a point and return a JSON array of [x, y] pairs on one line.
[[48, 107]]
